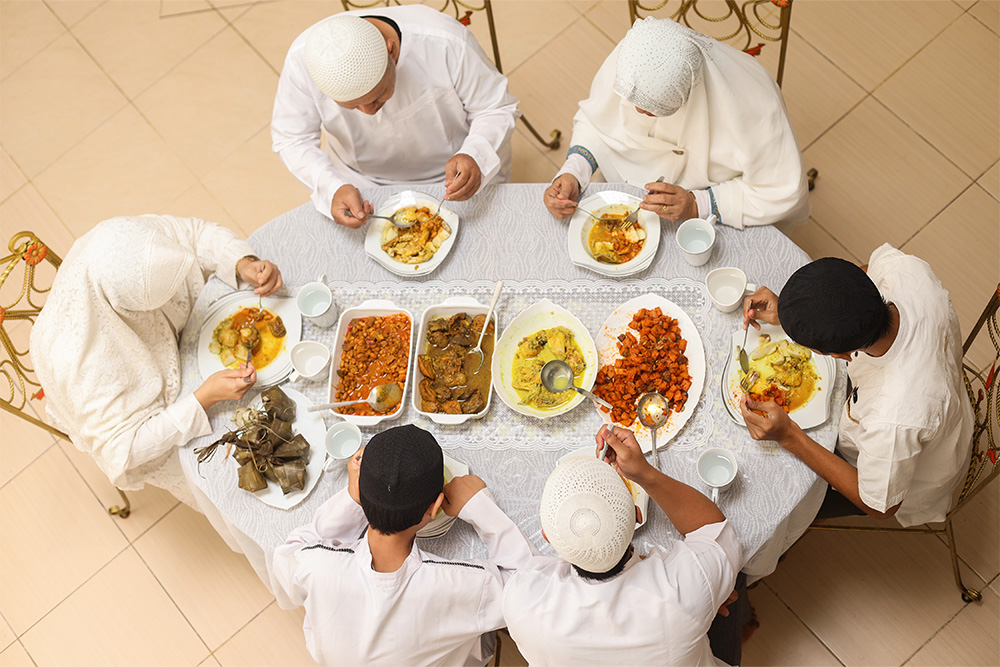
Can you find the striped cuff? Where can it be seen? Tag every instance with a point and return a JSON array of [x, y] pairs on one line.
[[715, 209]]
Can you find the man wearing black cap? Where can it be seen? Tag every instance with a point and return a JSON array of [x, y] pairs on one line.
[[906, 427], [378, 598]]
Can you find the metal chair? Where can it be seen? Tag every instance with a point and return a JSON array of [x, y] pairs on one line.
[[22, 385], [463, 13], [984, 462]]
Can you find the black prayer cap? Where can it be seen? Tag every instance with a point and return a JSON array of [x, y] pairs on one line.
[[402, 468], [831, 305]]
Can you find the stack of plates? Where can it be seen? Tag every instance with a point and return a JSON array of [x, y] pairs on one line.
[[442, 523], [579, 231]]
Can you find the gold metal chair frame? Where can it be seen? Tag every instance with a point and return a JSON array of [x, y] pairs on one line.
[[984, 460], [462, 11], [15, 365]]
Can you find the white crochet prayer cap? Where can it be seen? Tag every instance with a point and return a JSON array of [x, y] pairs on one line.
[[659, 62], [588, 514], [346, 57]]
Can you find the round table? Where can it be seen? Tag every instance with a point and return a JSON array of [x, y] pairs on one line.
[[506, 233]]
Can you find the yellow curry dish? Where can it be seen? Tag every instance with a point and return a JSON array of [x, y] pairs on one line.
[[788, 375], [535, 351], [245, 333], [610, 244], [417, 243]]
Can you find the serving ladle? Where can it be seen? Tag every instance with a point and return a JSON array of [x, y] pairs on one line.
[[557, 377], [653, 411], [382, 398]]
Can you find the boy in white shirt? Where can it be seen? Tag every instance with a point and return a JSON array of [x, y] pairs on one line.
[[379, 598]]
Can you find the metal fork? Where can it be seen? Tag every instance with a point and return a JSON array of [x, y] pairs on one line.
[[600, 219], [748, 381], [629, 220]]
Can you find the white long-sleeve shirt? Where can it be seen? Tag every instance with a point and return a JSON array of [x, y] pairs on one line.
[[448, 99], [657, 611], [431, 611]]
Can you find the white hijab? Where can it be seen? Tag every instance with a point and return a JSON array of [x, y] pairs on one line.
[[105, 346]]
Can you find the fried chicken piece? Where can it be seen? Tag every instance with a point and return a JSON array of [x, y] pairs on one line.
[[452, 408]]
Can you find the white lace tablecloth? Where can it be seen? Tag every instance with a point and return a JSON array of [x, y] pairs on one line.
[[507, 234]]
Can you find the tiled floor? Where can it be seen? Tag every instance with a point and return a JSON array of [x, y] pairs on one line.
[[114, 107]]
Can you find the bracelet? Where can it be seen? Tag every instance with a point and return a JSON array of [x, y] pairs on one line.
[[252, 258]]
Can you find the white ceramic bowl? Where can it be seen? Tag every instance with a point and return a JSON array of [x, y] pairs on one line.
[[612, 202], [377, 227]]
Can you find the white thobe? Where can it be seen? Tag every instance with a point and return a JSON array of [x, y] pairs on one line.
[[907, 425], [448, 99], [657, 611], [431, 611]]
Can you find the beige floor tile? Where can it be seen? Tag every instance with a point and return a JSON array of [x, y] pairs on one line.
[[872, 599], [977, 532], [937, 86], [964, 4], [123, 168], [271, 27], [611, 17], [22, 443], [197, 202], [7, 636], [531, 165], [817, 242], [879, 181], [235, 93], [71, 12], [26, 28], [11, 177], [988, 13], [171, 8], [969, 639], [210, 661], [510, 655], [99, 625], [961, 245], [254, 185], [552, 83], [25, 210], [871, 39], [990, 181], [51, 102], [285, 645], [523, 27], [15, 656], [782, 638], [55, 538], [155, 44], [215, 589]]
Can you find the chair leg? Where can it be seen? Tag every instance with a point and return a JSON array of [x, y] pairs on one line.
[[555, 134], [812, 174], [496, 654], [121, 512], [968, 594]]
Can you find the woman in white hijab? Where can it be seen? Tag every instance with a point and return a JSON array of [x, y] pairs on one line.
[[670, 102], [105, 346]]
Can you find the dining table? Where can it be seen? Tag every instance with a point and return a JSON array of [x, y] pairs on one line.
[[507, 234]]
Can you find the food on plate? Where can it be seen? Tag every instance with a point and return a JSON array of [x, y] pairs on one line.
[[535, 351], [263, 445], [244, 331], [652, 362], [418, 243], [376, 351], [610, 244], [450, 383], [787, 374]]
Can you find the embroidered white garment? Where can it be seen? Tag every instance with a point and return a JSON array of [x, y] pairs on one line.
[[730, 133], [105, 344], [448, 99]]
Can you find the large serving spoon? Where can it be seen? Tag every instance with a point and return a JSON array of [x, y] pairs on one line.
[[557, 377], [653, 411], [478, 349], [383, 397]]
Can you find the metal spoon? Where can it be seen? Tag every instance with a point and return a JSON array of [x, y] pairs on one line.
[[653, 411], [557, 377], [382, 398], [744, 360], [478, 349]]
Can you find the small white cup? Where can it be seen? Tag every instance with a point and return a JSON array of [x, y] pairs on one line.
[[696, 239], [727, 286], [315, 302], [717, 468], [309, 360], [342, 440]]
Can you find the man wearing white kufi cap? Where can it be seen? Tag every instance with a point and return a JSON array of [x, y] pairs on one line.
[[709, 120], [600, 602], [404, 95]]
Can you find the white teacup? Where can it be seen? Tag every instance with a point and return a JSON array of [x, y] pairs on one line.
[[696, 238], [315, 302], [309, 360], [717, 468], [342, 440], [727, 286]]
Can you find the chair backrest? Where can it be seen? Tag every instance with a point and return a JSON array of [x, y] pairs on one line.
[[739, 25], [27, 277], [981, 383]]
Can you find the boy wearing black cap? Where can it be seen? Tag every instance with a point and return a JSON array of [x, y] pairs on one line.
[[906, 427], [380, 599]]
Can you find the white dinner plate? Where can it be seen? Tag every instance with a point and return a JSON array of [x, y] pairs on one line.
[[377, 227], [639, 495], [442, 523], [581, 223], [230, 304], [607, 352], [814, 412]]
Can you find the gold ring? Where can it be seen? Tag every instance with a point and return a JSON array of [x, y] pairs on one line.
[[664, 207]]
